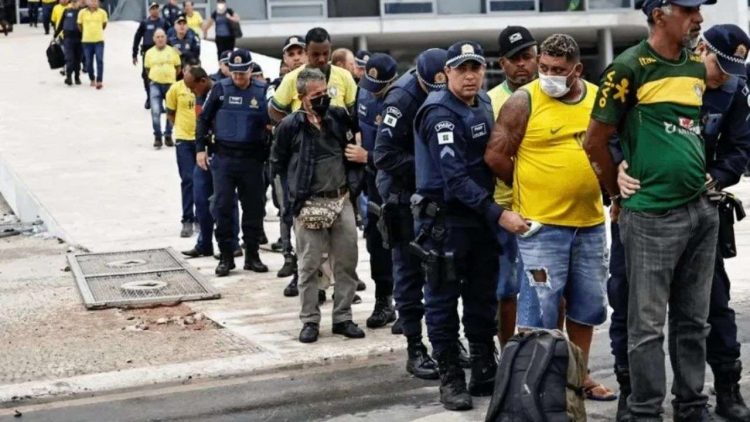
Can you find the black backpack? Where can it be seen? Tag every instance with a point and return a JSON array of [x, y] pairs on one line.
[[55, 55], [539, 379]]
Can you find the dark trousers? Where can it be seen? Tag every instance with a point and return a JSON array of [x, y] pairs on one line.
[[73, 54], [144, 72], [381, 266], [721, 345], [94, 51], [408, 285], [46, 15], [203, 191], [245, 176], [224, 44], [33, 13], [185, 165], [475, 255]]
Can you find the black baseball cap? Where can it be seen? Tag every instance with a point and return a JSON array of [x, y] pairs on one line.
[[240, 60], [181, 17], [297, 40], [648, 6], [513, 40], [379, 72], [152, 5], [464, 51], [224, 56], [731, 44], [361, 57], [257, 70]]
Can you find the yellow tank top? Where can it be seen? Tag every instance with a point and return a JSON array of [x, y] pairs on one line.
[[499, 95], [553, 180]]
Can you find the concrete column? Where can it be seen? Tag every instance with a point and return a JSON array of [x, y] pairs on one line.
[[606, 48], [360, 43]]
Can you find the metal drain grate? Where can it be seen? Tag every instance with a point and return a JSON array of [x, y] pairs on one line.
[[137, 278]]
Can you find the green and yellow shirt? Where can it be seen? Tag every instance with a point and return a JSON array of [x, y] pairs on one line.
[[655, 102]]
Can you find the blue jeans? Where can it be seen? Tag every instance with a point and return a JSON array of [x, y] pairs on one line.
[[158, 95], [511, 273], [203, 190], [186, 165], [566, 261], [94, 51], [670, 258]]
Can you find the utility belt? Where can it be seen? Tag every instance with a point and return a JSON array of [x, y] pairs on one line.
[[253, 153], [395, 222], [429, 246], [729, 207]]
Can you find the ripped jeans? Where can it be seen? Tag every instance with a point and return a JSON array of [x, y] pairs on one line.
[[565, 262]]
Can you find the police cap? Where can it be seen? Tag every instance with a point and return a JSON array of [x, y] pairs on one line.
[[152, 5], [430, 64], [240, 60], [294, 40], [731, 44], [361, 57], [648, 6], [379, 72], [464, 51], [224, 56]]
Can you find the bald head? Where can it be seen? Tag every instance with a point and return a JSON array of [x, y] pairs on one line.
[[343, 57], [160, 38]]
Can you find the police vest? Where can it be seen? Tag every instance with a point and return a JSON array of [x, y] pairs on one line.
[[70, 20], [369, 110], [182, 45], [241, 119], [151, 27], [475, 125]]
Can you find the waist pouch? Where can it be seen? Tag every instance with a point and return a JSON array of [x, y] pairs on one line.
[[729, 208], [321, 213]]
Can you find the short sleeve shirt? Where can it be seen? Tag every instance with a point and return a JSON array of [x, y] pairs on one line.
[[161, 64], [194, 22], [341, 88], [182, 101], [92, 24], [655, 102]]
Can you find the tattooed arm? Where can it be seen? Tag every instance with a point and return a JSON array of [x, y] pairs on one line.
[[506, 137]]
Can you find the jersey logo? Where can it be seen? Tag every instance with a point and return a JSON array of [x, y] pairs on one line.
[[478, 130], [698, 90], [554, 131], [696, 58], [445, 138], [332, 91], [235, 100], [444, 125], [645, 61]]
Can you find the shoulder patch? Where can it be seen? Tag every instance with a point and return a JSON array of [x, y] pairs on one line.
[[444, 125], [445, 138], [392, 114], [394, 111]]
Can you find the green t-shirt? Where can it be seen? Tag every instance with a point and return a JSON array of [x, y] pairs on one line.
[[655, 102]]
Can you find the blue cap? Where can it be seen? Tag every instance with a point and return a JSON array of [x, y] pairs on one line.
[[240, 60], [464, 51], [430, 68], [648, 6], [361, 57], [731, 44], [224, 56], [379, 72]]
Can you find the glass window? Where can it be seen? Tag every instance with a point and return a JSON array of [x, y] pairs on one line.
[[408, 6], [459, 7], [511, 5], [560, 5], [299, 11], [610, 4], [349, 8]]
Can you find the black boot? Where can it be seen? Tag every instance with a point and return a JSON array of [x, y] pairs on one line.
[[68, 80], [290, 266], [397, 328], [691, 414], [383, 312], [453, 392], [418, 362], [291, 290], [483, 368], [226, 263], [253, 262], [622, 373], [729, 402]]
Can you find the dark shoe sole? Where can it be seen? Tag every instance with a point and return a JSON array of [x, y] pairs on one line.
[[456, 406], [347, 335], [423, 375], [291, 293], [256, 270], [223, 274], [197, 256], [483, 389], [381, 324]]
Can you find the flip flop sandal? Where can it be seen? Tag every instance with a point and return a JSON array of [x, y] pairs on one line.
[[589, 391]]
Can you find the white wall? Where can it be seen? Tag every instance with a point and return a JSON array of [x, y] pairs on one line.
[[726, 11]]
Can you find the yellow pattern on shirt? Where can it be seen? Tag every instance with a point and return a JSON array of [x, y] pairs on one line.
[[499, 95], [553, 180], [195, 22], [182, 101], [161, 64], [341, 88], [92, 24]]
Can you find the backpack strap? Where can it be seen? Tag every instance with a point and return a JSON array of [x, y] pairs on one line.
[[540, 359], [502, 376]]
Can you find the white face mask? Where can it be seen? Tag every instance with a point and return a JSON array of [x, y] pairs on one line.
[[221, 7], [554, 86]]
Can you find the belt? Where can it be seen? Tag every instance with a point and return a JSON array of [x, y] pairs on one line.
[[338, 193], [236, 152]]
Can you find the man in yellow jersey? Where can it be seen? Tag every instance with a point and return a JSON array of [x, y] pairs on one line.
[[92, 22], [518, 59], [162, 63], [194, 19], [180, 103], [47, 6], [341, 86], [537, 148]]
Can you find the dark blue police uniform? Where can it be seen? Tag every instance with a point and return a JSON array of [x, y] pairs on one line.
[[190, 45], [238, 118], [72, 43]]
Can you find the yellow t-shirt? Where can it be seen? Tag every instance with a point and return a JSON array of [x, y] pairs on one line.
[[161, 64], [553, 182], [341, 88], [57, 13], [49, 1], [92, 24], [194, 22], [182, 101], [499, 95]]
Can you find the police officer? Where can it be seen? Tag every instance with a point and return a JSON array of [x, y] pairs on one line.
[[394, 158], [184, 39], [237, 113], [223, 72], [72, 43], [379, 75], [457, 218], [145, 32], [726, 134], [170, 12]]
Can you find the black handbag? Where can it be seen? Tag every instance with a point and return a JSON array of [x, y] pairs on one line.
[[729, 208], [55, 55], [236, 29]]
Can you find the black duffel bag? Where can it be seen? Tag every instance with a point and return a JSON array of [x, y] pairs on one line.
[[730, 207], [55, 55]]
